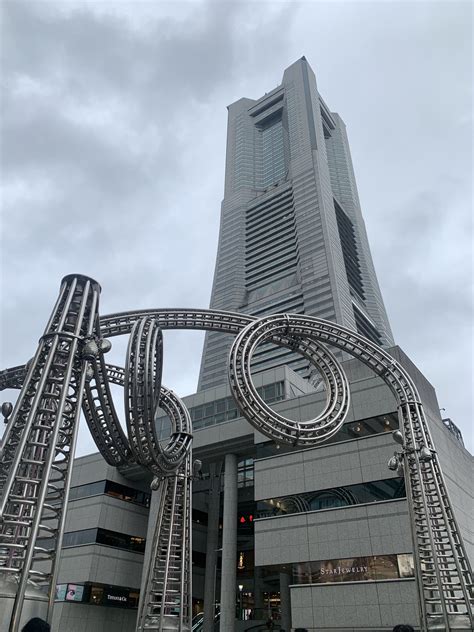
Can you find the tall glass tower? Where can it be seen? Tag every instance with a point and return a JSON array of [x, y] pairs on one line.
[[292, 237]]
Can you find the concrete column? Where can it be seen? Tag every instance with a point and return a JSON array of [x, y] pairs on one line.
[[229, 546], [211, 546], [285, 602], [258, 593]]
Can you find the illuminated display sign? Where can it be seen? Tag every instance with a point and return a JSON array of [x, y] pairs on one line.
[[373, 568], [98, 595], [61, 590], [75, 592], [245, 519]]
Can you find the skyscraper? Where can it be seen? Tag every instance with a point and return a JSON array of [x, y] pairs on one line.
[[292, 237]]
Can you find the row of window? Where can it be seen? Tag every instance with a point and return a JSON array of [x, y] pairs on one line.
[[352, 430], [225, 409], [123, 541], [365, 327], [271, 247], [118, 540], [349, 250], [273, 155], [292, 304], [361, 493], [111, 488], [263, 209]]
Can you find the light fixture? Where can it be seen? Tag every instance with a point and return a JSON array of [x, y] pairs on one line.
[[425, 454], [397, 437], [393, 463]]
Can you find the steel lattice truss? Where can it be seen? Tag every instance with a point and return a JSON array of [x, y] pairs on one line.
[[69, 369]]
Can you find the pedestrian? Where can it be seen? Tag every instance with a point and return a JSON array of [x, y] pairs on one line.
[[403, 628], [36, 625]]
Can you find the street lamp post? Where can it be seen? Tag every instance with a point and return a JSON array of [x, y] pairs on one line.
[[241, 609]]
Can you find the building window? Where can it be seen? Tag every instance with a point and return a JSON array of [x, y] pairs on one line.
[[76, 538], [351, 430], [199, 517], [272, 167], [362, 493], [111, 488], [106, 537], [245, 473], [90, 489], [365, 327], [349, 251], [225, 409], [129, 494]]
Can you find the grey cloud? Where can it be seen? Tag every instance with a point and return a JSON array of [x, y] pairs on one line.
[[113, 153]]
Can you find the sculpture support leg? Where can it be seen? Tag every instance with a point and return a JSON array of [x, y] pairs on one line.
[[39, 457], [166, 603]]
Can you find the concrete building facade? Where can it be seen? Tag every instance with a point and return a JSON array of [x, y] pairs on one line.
[[320, 538], [317, 538]]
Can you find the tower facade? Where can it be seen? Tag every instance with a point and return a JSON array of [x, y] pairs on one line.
[[292, 236]]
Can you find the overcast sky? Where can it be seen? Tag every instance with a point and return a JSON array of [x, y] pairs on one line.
[[113, 148]]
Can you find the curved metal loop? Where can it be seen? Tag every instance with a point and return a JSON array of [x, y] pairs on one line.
[[278, 329], [179, 443], [142, 385], [143, 395], [101, 417]]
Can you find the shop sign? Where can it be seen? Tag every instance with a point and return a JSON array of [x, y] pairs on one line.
[[115, 597]]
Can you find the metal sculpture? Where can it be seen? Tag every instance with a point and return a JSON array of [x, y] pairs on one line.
[[443, 572], [39, 442]]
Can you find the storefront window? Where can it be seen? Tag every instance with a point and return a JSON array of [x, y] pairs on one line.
[[98, 595], [374, 568]]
